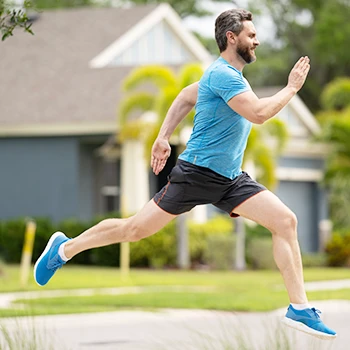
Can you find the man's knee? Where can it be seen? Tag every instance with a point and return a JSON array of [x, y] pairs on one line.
[[135, 231], [286, 225]]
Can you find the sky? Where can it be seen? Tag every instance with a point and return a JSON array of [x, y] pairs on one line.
[[205, 25]]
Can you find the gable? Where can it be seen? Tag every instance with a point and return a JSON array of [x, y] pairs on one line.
[[296, 127], [159, 45], [159, 38]]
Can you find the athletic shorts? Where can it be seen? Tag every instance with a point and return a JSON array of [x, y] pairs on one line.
[[190, 185]]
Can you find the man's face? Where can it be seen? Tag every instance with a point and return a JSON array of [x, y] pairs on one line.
[[247, 42]]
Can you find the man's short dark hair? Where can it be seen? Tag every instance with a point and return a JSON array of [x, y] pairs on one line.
[[230, 20]]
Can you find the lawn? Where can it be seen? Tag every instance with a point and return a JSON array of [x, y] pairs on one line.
[[225, 290]]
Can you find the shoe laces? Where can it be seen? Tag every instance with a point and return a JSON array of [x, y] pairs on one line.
[[55, 263], [317, 312]]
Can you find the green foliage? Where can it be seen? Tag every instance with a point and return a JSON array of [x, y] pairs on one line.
[[14, 18], [336, 94], [319, 29], [260, 254], [221, 252], [159, 76], [159, 250], [11, 240], [263, 155], [199, 234], [155, 251], [336, 131], [314, 260], [338, 250], [152, 88], [73, 228], [209, 43], [55, 4]]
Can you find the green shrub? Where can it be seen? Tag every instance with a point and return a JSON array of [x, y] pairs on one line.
[[44, 229], [336, 94], [160, 250], [314, 260], [260, 253], [12, 239], [221, 252], [220, 225], [338, 250], [156, 251], [73, 228]]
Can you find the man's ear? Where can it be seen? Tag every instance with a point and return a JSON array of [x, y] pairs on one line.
[[231, 37]]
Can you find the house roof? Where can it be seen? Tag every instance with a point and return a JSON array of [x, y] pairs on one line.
[[47, 85]]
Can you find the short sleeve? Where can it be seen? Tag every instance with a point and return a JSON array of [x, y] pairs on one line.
[[226, 82]]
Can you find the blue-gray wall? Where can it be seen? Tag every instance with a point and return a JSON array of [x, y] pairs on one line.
[[308, 200], [44, 177]]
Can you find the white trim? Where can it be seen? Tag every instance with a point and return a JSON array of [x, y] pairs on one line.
[[304, 114], [304, 148], [163, 11], [299, 174], [70, 129]]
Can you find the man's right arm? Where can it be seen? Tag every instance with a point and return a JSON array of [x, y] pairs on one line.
[[256, 110], [178, 110]]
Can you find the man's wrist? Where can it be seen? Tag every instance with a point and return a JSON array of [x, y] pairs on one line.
[[163, 137], [292, 89]]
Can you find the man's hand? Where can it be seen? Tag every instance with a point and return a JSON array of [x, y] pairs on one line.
[[299, 73], [160, 154]]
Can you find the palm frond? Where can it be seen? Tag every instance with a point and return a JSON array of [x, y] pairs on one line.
[[189, 74], [135, 130], [264, 161], [277, 129], [160, 76], [137, 101], [164, 100]]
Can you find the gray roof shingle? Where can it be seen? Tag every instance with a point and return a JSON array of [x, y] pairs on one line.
[[46, 78]]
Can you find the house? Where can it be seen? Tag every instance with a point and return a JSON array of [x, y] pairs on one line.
[[59, 92]]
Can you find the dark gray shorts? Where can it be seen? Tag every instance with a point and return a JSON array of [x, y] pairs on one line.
[[190, 185]]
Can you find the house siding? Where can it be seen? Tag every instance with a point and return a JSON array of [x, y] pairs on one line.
[[39, 177]]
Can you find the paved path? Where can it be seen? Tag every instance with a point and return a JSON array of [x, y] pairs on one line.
[[173, 329], [177, 329]]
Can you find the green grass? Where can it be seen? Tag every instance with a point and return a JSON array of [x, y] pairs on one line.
[[227, 290]]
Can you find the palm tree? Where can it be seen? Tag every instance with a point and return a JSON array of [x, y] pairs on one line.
[[141, 115], [167, 86]]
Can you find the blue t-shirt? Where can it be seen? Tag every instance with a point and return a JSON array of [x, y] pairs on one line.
[[219, 136]]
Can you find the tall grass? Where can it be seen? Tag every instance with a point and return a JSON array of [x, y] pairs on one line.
[[16, 335], [236, 334]]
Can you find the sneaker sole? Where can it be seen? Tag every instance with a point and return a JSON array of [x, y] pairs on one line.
[[303, 328], [47, 248]]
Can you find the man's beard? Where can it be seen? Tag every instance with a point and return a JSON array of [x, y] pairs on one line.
[[245, 53]]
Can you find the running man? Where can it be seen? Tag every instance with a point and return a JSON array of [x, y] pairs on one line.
[[209, 170]]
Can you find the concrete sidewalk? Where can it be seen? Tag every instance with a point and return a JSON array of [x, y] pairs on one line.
[[177, 329]]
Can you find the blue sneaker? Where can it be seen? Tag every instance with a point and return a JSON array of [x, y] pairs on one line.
[[308, 321], [49, 261]]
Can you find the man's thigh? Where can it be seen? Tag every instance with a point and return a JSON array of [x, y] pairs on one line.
[[265, 208]]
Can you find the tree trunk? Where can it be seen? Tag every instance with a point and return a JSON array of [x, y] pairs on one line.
[[240, 244], [183, 255]]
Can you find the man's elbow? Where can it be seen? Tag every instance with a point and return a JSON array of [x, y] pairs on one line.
[[189, 94], [258, 118]]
